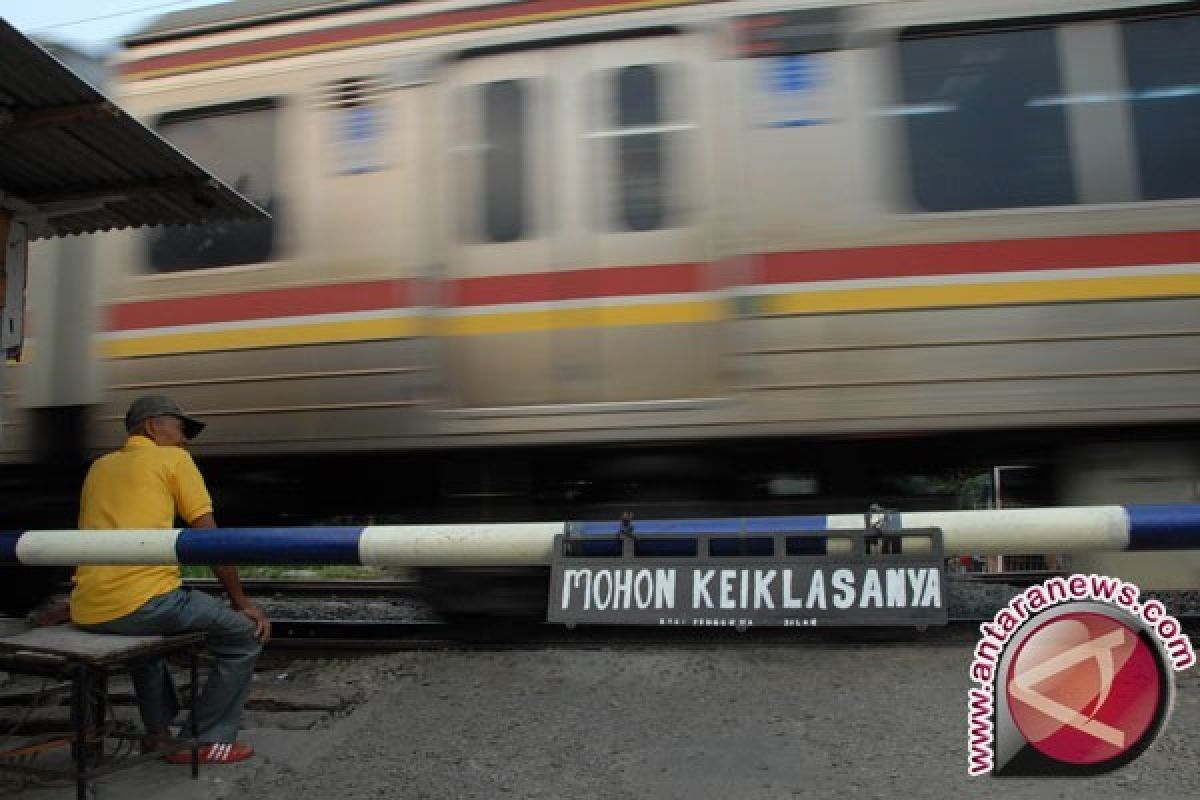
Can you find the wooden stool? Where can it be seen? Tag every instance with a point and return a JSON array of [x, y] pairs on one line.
[[64, 652]]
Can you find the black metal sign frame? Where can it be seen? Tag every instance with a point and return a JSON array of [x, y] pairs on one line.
[[864, 578]]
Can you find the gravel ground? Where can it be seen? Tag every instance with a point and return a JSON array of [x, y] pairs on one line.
[[821, 719], [817, 720], [360, 609]]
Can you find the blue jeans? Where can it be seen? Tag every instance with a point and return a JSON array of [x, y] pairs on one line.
[[230, 638]]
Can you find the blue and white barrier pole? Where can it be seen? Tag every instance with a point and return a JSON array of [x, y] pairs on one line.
[[1002, 532]]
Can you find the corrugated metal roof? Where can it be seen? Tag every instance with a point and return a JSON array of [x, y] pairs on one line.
[[71, 161]]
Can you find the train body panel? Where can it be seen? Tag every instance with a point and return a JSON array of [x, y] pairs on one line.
[[544, 223]]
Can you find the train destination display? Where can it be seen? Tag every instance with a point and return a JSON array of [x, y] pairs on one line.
[[739, 591]]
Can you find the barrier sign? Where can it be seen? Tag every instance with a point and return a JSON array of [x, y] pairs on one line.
[[859, 578]]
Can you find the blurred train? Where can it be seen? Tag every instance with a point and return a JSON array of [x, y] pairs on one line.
[[543, 259]]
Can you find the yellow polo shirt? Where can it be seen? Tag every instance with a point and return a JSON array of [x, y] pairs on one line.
[[139, 486]]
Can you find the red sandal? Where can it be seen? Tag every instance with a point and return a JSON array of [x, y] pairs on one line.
[[215, 753]]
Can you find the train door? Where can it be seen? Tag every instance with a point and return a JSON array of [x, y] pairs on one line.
[[577, 266], [646, 198], [503, 233]]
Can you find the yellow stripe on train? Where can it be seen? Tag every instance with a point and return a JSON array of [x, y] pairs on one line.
[[979, 294], [594, 317], [245, 338]]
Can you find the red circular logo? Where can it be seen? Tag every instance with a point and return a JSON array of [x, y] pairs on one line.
[[1084, 688]]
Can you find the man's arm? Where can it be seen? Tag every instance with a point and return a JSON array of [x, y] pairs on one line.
[[228, 576]]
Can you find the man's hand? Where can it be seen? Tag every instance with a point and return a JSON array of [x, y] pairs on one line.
[[262, 625], [228, 576], [54, 614]]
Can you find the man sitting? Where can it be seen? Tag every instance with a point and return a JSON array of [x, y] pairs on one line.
[[147, 484]]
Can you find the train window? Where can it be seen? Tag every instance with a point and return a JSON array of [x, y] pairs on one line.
[[641, 201], [238, 144], [505, 115], [1163, 64], [980, 134], [642, 136]]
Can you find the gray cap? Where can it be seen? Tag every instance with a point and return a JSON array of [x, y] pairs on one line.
[[158, 405]]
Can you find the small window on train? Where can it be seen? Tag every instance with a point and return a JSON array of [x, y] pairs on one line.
[[505, 140], [1162, 58], [982, 132], [641, 136], [641, 178], [356, 123], [238, 144]]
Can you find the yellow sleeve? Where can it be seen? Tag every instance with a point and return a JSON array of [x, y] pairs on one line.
[[191, 495]]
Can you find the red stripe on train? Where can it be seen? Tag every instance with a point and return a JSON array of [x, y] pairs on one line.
[[965, 258], [265, 304], [350, 34], [576, 284]]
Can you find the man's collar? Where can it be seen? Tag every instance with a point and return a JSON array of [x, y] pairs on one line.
[[138, 440]]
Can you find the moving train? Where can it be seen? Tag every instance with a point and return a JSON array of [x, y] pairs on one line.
[[545, 259]]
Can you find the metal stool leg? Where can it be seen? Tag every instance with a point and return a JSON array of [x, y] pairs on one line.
[[195, 690], [80, 712], [98, 709]]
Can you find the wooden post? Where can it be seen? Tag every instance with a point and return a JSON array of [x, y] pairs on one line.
[[4, 218]]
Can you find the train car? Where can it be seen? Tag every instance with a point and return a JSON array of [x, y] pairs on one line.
[[535, 258]]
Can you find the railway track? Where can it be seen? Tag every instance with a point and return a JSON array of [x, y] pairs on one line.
[[336, 588], [376, 587], [389, 636], [315, 614]]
